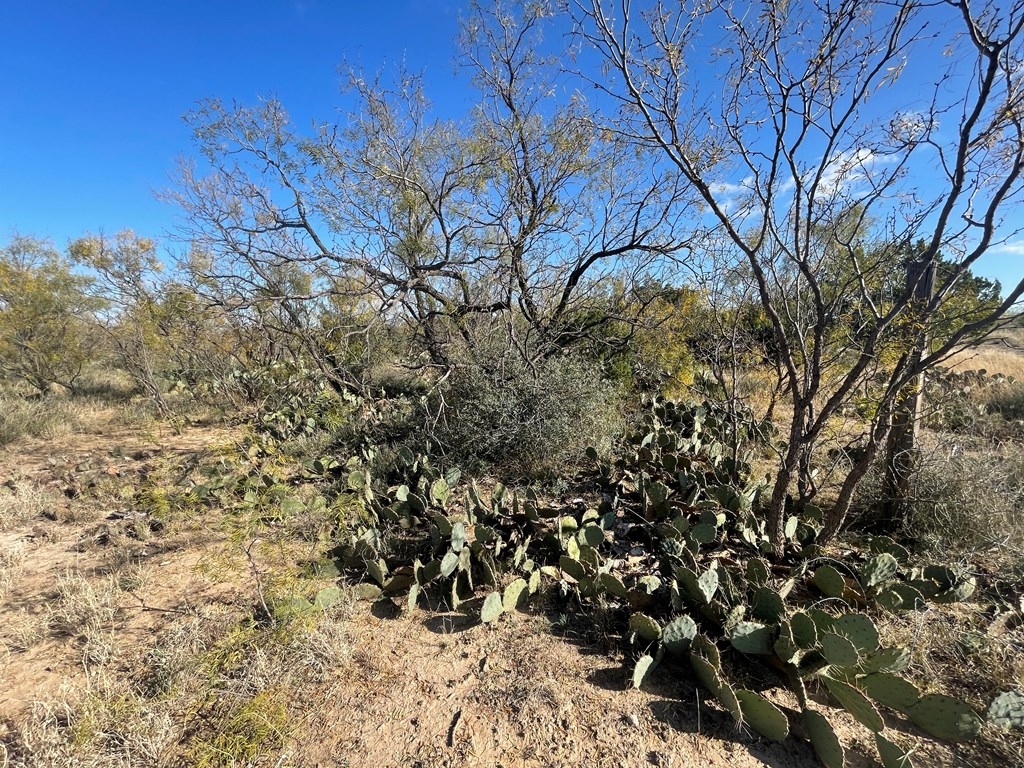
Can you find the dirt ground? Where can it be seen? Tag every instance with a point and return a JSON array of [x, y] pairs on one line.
[[412, 689]]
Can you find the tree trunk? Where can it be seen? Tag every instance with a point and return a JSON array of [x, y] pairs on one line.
[[901, 448], [783, 480]]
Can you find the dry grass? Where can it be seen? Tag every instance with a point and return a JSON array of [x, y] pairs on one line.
[[101, 724], [21, 500], [49, 417], [24, 630], [85, 610], [11, 560], [991, 358], [962, 650], [965, 499], [216, 689]]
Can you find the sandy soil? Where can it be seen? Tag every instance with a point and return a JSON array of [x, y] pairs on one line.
[[418, 689]]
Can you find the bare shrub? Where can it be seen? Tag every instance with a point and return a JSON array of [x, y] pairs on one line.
[[965, 497]]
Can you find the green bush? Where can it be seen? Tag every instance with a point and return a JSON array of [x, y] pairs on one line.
[[524, 421]]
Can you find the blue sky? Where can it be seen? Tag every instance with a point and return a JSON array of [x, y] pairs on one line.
[[92, 94]]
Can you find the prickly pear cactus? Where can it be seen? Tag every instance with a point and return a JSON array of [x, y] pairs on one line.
[[674, 549], [1007, 710]]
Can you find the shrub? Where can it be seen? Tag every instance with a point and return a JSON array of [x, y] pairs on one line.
[[965, 496], [524, 421]]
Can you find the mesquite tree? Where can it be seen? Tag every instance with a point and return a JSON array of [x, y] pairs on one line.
[[510, 218], [830, 142]]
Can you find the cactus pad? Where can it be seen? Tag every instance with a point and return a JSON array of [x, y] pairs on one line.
[[458, 535], [492, 608], [884, 544], [829, 581], [839, 650], [613, 585], [805, 631], [590, 536], [645, 628], [439, 492], [449, 563], [643, 667], [534, 584], [763, 716], [706, 673], [859, 630], [945, 717], [891, 691], [891, 755], [758, 571], [823, 621], [707, 650], [879, 569], [751, 637], [727, 698], [823, 739], [785, 647], [514, 594], [678, 634], [854, 702], [327, 597], [1007, 710], [886, 660], [768, 605], [703, 533]]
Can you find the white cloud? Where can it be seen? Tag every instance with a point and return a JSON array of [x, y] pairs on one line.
[[1015, 248], [847, 169]]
